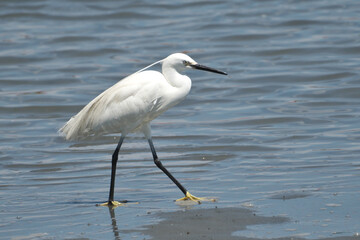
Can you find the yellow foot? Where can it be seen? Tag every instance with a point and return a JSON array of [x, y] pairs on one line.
[[191, 197], [112, 204]]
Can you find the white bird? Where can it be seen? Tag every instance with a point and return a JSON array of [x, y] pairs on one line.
[[131, 104]]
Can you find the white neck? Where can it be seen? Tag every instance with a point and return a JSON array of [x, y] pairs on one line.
[[176, 79]]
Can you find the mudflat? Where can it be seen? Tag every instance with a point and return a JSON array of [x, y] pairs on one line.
[[213, 223]]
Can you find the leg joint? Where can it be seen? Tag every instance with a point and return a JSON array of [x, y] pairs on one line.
[[157, 162]]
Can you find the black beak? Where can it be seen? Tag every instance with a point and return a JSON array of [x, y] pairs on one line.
[[205, 68]]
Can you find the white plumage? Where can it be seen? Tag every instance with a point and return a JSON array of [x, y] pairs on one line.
[[133, 102]]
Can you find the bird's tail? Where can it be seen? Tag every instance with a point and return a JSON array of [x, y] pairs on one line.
[[73, 129], [67, 131]]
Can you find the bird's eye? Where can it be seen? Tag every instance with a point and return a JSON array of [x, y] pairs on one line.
[[186, 63]]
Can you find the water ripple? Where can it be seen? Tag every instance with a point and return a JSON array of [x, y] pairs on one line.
[[280, 132]]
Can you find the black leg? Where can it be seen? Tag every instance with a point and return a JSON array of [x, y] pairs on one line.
[[113, 169], [159, 165]]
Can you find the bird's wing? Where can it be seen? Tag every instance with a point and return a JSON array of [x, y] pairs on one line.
[[121, 108]]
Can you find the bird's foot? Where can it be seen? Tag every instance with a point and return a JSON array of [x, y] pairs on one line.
[[113, 204], [189, 196]]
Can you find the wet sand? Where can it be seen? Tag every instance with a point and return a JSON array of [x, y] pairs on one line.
[[214, 223]]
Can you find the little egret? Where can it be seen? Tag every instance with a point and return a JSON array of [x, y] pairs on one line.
[[131, 104]]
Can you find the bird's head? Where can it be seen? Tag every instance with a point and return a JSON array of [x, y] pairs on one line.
[[180, 62]]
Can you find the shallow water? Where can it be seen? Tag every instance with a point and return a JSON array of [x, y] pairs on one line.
[[279, 135]]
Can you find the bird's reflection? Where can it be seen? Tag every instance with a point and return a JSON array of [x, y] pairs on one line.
[[183, 205], [113, 223]]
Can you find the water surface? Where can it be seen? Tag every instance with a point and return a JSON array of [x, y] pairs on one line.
[[279, 135]]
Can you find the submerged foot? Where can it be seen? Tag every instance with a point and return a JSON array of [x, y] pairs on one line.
[[189, 196]]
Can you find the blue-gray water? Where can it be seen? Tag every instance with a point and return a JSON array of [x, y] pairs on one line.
[[280, 134]]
